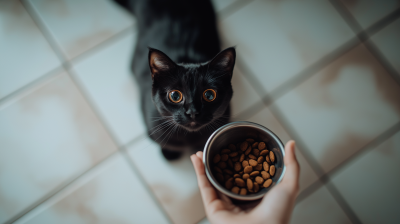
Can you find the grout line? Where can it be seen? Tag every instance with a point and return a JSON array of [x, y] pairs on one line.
[[364, 35], [347, 16], [250, 77], [43, 29], [382, 23], [58, 189], [232, 8], [136, 171], [369, 146], [312, 161], [326, 177], [370, 45], [343, 203], [67, 183], [31, 86], [68, 66], [107, 42], [311, 70], [249, 111], [308, 191]]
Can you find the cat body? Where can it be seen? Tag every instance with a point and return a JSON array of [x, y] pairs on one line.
[[178, 52]]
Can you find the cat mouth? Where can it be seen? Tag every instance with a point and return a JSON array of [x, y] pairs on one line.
[[193, 126]]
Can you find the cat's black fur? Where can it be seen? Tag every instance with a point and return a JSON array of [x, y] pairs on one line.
[[185, 30]]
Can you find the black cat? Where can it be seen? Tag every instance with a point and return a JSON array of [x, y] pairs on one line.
[[184, 97]]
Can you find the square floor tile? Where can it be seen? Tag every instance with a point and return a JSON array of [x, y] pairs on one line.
[[111, 193], [106, 77], [173, 183], [343, 107], [47, 138], [222, 4], [370, 184], [319, 207], [268, 120], [80, 25], [368, 12], [244, 95], [279, 39], [388, 42], [204, 221], [25, 54]]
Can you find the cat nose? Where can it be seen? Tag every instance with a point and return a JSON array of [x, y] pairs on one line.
[[192, 112]]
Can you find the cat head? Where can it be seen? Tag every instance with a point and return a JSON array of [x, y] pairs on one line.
[[192, 95]]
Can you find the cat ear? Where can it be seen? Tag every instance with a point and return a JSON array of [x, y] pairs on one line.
[[224, 61], [159, 62]]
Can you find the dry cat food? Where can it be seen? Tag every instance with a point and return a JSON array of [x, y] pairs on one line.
[[245, 168]]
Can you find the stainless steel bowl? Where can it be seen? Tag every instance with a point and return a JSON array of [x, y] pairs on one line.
[[237, 132]]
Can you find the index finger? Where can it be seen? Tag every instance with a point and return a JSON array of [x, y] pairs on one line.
[[207, 191]]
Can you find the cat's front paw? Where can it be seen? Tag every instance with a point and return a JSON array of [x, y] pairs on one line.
[[171, 155]]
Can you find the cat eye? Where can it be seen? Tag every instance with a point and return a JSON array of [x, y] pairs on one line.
[[175, 96], [209, 95]]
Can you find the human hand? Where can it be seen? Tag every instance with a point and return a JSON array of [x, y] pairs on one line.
[[275, 207]]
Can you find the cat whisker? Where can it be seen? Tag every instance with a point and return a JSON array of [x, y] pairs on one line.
[[159, 127]]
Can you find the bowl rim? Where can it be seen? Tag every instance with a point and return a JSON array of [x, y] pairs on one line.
[[238, 124]]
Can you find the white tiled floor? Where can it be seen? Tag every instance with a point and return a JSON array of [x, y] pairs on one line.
[[76, 27], [367, 12], [64, 129], [25, 54], [294, 34], [374, 195], [47, 138], [386, 42], [108, 194], [319, 207], [107, 79]]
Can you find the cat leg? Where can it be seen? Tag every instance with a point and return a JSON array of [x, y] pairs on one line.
[[171, 154]]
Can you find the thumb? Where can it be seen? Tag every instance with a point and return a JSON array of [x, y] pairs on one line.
[[291, 178]]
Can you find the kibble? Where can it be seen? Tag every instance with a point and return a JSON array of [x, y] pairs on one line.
[[235, 190], [261, 145], [250, 184], [247, 152], [259, 167], [266, 166], [225, 151], [264, 152], [272, 156], [224, 157], [239, 182], [244, 146], [248, 169], [245, 167], [265, 175], [267, 183], [229, 183], [252, 162], [259, 180], [252, 157], [241, 158], [222, 165], [237, 167], [254, 173], [272, 170], [217, 158]]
